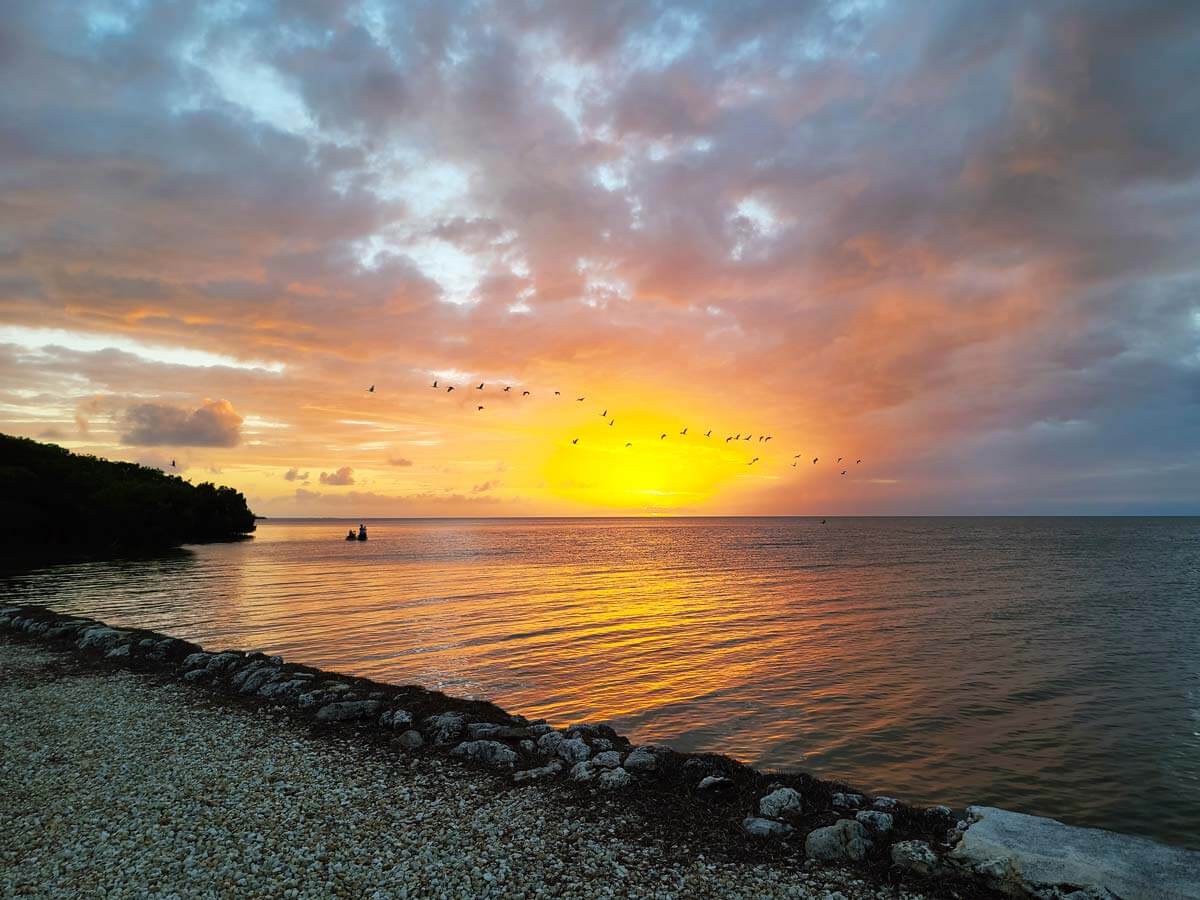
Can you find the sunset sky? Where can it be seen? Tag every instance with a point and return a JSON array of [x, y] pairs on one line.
[[958, 240]]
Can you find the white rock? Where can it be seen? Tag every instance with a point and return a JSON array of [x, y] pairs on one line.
[[583, 771], [614, 779], [609, 759], [714, 783], [551, 768], [914, 856], [1021, 853], [844, 841], [765, 828], [488, 753], [573, 750], [781, 802], [887, 804], [847, 801], [877, 822], [642, 759]]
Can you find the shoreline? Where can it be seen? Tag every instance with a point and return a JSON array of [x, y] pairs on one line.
[[729, 810]]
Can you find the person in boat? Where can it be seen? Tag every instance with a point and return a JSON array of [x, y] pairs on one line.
[[362, 532], [350, 535]]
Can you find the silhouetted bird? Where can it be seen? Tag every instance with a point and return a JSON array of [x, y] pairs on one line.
[[663, 435], [580, 399], [449, 389], [753, 461], [843, 471], [480, 388], [747, 437], [738, 436], [610, 421], [728, 439], [629, 445], [815, 460], [839, 459], [479, 407], [603, 414], [371, 389], [708, 433], [507, 388], [557, 394], [172, 464], [760, 438], [768, 437], [524, 393], [435, 382], [684, 431], [575, 441], [793, 465], [797, 456], [857, 461]]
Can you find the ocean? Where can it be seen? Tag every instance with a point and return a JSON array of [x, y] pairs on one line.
[[1049, 665]]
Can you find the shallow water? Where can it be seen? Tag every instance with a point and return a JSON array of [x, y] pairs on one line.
[[1046, 665]]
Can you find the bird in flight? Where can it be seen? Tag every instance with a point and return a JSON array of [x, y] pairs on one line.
[[793, 465], [728, 439], [507, 388], [753, 461], [797, 456], [524, 393], [580, 399], [767, 438], [435, 382], [760, 437], [449, 389], [479, 407], [815, 458], [738, 436], [629, 445], [557, 394], [603, 414], [662, 436], [610, 422], [857, 461], [708, 433], [172, 464], [371, 389], [480, 388], [843, 471], [839, 459], [575, 440], [684, 431], [747, 437]]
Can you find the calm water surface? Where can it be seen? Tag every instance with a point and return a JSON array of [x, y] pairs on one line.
[[1047, 665]]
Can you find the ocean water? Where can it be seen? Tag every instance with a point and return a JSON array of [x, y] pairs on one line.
[[1045, 665]]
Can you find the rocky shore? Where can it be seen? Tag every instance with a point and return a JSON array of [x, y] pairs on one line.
[[479, 785]]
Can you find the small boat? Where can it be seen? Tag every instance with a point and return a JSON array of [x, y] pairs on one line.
[[362, 536]]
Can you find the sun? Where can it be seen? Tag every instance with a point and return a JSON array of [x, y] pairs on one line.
[[629, 465]]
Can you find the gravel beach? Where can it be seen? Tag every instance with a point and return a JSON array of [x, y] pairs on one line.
[[119, 784]]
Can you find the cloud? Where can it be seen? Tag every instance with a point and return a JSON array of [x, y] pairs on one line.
[[344, 475], [399, 461], [295, 475], [214, 424]]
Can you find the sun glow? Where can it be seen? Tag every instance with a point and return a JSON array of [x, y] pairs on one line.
[[630, 465]]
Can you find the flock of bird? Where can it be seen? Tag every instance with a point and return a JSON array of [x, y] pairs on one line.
[[763, 439]]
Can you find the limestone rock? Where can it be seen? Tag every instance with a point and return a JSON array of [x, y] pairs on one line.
[[765, 828], [489, 753], [546, 771], [642, 759], [396, 718], [876, 822], [844, 841], [583, 771], [1023, 854], [573, 750], [348, 711], [714, 783], [914, 856], [614, 779], [410, 740], [781, 802]]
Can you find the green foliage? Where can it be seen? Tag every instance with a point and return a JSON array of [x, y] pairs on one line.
[[55, 499]]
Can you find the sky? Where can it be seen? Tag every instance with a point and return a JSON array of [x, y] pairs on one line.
[[958, 240]]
